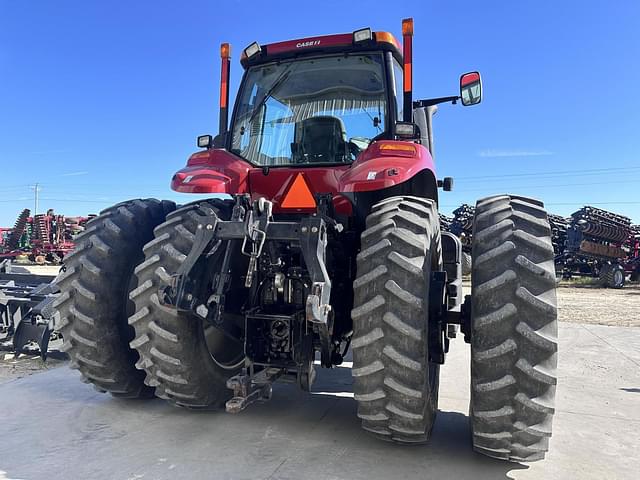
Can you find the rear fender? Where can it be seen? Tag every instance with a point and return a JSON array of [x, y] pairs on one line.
[[381, 173], [386, 164], [213, 171], [422, 184]]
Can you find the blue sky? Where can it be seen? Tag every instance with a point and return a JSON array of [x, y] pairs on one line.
[[102, 101]]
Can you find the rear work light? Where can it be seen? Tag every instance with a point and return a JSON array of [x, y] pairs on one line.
[[362, 35], [205, 141], [406, 130], [252, 50]]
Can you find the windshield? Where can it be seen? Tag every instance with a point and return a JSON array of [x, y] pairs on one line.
[[311, 111]]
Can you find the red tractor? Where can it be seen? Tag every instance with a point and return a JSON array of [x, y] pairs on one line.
[[328, 239]]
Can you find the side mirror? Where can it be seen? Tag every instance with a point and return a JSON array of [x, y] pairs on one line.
[[406, 130], [470, 88]]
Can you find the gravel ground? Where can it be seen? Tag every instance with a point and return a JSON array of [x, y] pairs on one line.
[[12, 368], [590, 304], [599, 306]]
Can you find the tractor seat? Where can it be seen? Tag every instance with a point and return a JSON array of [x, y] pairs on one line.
[[320, 139]]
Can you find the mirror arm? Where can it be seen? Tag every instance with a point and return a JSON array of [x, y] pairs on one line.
[[435, 101]]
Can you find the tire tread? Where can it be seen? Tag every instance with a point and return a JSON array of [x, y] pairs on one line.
[[93, 301], [514, 329], [390, 357]]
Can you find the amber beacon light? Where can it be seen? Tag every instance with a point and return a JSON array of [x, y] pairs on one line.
[[407, 38], [225, 55]]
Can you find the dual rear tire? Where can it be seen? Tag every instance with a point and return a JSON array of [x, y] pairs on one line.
[[185, 360], [395, 384], [133, 348], [513, 325], [93, 306], [117, 332], [514, 329]]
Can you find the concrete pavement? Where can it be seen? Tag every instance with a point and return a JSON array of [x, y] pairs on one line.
[[53, 426]]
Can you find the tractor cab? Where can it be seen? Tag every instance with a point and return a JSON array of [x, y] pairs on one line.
[[316, 101], [333, 115]]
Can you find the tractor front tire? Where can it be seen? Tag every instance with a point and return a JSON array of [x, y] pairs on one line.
[[93, 303], [173, 345], [395, 384], [514, 329]]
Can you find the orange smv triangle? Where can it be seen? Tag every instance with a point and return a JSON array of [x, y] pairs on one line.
[[299, 195]]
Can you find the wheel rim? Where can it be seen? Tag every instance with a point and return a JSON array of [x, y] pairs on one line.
[[618, 278], [225, 350], [218, 346]]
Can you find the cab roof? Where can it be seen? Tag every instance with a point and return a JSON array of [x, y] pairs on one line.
[[339, 43]]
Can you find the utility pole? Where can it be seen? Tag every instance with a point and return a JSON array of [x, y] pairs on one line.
[[36, 190]]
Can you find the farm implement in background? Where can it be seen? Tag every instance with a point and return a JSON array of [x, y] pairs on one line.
[[595, 243], [43, 238], [591, 243], [462, 226], [26, 311], [631, 264]]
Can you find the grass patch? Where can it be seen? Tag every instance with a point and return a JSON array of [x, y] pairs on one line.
[[579, 281]]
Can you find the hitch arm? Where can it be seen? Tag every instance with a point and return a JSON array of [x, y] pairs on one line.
[[177, 293], [249, 388], [313, 241]]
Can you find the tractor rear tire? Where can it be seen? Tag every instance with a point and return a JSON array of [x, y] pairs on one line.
[[466, 263], [514, 329], [173, 347], [612, 276], [93, 303], [395, 385]]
